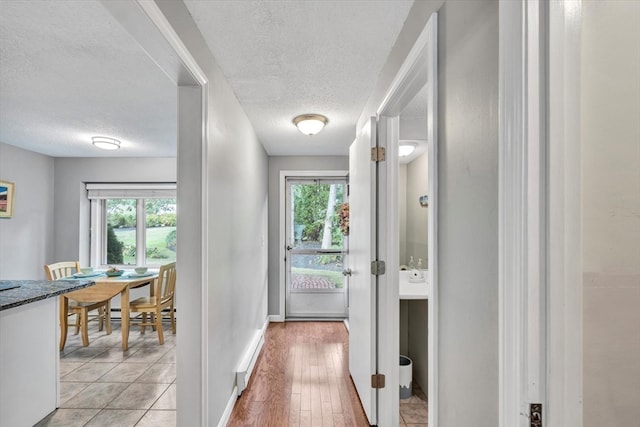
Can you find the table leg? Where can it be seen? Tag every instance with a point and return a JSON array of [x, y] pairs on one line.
[[64, 308], [124, 311]]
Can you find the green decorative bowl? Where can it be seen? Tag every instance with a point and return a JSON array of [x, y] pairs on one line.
[[114, 273]]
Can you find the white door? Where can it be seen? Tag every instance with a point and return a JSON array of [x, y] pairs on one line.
[[362, 250]]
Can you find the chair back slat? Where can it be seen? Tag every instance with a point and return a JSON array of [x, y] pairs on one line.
[[60, 270], [166, 283]]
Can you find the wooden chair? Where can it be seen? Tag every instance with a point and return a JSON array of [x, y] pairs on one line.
[[164, 292], [80, 307]]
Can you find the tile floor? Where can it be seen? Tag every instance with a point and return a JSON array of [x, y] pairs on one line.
[[414, 410], [103, 386]]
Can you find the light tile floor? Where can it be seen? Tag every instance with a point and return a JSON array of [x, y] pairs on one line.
[[103, 386], [414, 410]]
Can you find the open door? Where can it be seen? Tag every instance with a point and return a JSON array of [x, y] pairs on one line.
[[362, 285]]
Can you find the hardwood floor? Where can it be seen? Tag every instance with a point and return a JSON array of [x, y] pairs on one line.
[[301, 379]]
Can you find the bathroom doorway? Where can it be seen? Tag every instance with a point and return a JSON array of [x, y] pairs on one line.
[[413, 251], [316, 247]]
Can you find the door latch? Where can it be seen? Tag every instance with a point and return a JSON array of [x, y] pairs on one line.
[[535, 415], [346, 272]]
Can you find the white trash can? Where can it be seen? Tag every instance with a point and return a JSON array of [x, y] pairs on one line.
[[406, 377]]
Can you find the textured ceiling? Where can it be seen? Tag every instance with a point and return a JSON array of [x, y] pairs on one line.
[[68, 71], [285, 58]]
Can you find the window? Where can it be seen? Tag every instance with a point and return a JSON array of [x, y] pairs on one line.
[[132, 224]]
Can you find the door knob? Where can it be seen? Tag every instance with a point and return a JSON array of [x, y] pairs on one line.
[[289, 247], [346, 272]]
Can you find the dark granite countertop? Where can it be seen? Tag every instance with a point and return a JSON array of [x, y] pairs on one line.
[[35, 290]]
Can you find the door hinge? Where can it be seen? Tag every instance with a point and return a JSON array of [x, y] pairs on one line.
[[377, 381], [378, 268], [535, 415], [377, 154]]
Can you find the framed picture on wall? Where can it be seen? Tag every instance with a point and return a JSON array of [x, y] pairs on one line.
[[6, 199]]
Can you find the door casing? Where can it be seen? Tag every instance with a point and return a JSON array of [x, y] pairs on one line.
[[330, 296], [282, 186], [419, 69]]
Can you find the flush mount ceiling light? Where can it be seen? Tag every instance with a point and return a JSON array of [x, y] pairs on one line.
[[105, 142], [310, 124], [405, 148]]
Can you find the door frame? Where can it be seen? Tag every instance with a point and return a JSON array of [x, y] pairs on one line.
[[282, 189], [289, 181], [540, 287], [419, 68], [147, 24]]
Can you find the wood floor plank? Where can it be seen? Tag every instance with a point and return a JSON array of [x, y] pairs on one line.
[[305, 418], [314, 378], [301, 379], [296, 387], [294, 412], [305, 393], [334, 392]]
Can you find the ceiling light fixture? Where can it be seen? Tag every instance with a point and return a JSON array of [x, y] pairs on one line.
[[105, 142], [406, 148], [310, 124]]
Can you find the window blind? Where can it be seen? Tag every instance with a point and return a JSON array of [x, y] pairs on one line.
[[154, 190]]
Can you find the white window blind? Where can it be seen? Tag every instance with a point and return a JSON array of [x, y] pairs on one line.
[[154, 190]]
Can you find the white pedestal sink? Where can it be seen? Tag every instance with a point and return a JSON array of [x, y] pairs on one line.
[[412, 287]]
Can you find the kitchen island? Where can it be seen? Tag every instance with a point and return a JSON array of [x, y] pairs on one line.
[[29, 357]]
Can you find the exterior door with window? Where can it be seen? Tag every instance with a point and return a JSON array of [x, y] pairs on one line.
[[316, 246]]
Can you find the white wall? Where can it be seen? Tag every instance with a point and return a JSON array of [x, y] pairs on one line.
[[402, 214], [277, 164], [416, 236], [234, 238], [468, 216], [610, 103], [26, 239]]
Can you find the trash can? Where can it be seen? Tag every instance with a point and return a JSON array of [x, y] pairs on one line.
[[406, 377]]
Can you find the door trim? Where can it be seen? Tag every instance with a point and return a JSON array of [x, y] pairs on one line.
[[564, 305], [420, 68], [540, 269], [282, 190], [522, 211]]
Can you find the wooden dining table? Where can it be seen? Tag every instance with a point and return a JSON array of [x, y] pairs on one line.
[[107, 287]]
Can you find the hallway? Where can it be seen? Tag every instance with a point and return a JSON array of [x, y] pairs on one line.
[[301, 379]]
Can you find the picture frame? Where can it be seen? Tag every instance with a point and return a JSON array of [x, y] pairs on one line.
[[6, 199]]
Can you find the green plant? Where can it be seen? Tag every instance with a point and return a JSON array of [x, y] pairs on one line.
[[171, 240], [114, 247], [156, 253], [129, 250]]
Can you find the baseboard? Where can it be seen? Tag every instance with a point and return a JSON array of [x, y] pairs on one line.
[[276, 318], [229, 408], [346, 324], [248, 361]]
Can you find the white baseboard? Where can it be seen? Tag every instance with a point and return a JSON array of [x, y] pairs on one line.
[[246, 365], [346, 324], [276, 318], [229, 408]]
